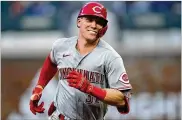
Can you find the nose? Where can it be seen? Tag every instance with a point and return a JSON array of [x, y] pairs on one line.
[[93, 24]]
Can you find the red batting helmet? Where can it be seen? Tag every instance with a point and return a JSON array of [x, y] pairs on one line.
[[95, 9]]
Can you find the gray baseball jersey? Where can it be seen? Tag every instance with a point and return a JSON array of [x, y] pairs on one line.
[[103, 67]]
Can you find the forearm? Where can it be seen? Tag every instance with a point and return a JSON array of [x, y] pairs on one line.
[[114, 97], [110, 96], [47, 72]]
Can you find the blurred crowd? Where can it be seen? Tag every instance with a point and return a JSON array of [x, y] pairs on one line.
[[46, 8], [58, 13]]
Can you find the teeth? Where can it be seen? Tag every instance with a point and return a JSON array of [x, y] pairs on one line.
[[92, 31]]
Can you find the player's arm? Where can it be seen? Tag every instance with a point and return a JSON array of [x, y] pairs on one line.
[[47, 72], [118, 98], [118, 79], [114, 97]]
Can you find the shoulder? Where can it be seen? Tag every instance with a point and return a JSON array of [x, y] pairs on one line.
[[62, 43], [109, 51]]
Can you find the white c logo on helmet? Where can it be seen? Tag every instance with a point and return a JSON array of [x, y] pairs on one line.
[[97, 9]]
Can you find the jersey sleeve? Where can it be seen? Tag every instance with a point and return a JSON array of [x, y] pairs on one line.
[[118, 79], [117, 76], [56, 45]]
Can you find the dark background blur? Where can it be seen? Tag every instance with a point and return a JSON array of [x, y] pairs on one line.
[[146, 34]]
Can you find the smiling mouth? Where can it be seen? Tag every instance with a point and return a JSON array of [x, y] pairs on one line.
[[92, 31]]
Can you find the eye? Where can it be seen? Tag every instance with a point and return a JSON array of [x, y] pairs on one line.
[[100, 22], [89, 19]]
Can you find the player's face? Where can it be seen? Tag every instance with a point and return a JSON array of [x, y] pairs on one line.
[[89, 27]]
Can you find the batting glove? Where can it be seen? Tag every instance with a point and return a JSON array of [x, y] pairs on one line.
[[78, 81], [51, 109], [36, 95]]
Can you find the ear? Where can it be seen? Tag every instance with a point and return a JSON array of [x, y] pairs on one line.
[[78, 22]]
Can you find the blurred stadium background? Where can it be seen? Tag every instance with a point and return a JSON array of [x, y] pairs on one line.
[[146, 34]]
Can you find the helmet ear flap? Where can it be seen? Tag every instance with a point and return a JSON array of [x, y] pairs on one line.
[[102, 31]]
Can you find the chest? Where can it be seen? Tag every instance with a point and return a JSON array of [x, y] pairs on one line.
[[93, 61]]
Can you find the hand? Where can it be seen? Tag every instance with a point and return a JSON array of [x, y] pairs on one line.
[[36, 95], [78, 81]]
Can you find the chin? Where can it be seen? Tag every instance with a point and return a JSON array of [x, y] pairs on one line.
[[92, 37]]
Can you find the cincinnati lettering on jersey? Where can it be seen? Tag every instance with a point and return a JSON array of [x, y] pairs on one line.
[[93, 77]]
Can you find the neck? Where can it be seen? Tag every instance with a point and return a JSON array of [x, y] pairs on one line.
[[84, 47]]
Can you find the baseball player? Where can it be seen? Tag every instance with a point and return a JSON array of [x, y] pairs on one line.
[[91, 72]]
